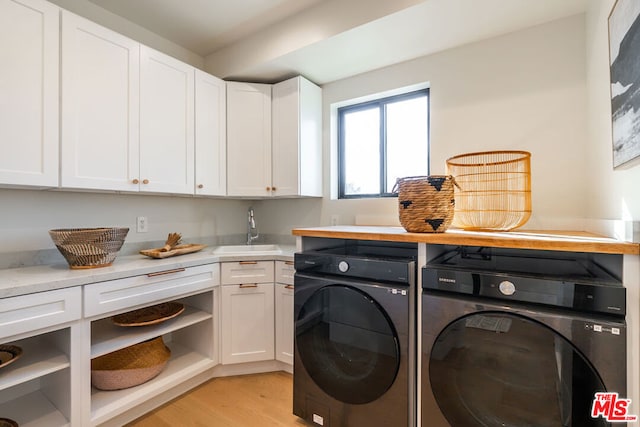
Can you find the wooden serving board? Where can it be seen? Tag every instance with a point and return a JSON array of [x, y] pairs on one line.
[[177, 250]]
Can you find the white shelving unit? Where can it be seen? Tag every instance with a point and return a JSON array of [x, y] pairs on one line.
[[191, 336], [37, 389]]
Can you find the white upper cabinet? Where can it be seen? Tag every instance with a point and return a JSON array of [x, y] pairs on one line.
[[210, 135], [29, 93], [297, 138], [100, 107], [166, 123], [248, 139], [274, 139]]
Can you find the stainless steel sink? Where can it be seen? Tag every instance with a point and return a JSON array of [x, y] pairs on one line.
[[248, 250]]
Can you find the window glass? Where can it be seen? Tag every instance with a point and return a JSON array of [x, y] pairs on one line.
[[362, 152], [407, 130]]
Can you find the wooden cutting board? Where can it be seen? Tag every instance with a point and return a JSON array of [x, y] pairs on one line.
[[177, 250]]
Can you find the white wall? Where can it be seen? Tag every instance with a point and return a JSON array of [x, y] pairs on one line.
[[27, 215], [123, 26], [613, 193], [521, 91]]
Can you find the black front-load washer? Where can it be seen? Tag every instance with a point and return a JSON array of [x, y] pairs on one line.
[[519, 339], [351, 364]]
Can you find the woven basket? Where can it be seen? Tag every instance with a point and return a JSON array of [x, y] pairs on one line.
[[425, 203], [494, 190], [130, 366], [89, 247]]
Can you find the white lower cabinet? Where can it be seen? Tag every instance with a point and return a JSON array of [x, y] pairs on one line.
[[247, 311], [247, 323], [284, 311], [284, 322], [191, 336], [40, 387], [247, 319]]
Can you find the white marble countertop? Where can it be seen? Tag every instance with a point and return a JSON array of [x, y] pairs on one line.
[[28, 280]]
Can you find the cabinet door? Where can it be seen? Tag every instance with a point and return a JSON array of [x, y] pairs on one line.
[[248, 139], [284, 322], [210, 138], [166, 123], [100, 105], [297, 138], [29, 62], [247, 323]]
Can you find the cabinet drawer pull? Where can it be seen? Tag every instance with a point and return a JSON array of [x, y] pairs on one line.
[[248, 285], [162, 273], [288, 263], [247, 262], [288, 287]]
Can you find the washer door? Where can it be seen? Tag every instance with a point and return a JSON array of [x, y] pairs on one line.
[[347, 344], [498, 369]]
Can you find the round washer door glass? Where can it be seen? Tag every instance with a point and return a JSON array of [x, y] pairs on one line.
[[497, 369], [347, 344]]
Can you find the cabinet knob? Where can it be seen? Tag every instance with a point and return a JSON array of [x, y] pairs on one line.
[[145, 181], [135, 181], [268, 188], [200, 186]]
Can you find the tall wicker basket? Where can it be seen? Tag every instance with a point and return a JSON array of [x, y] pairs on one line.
[[425, 203], [494, 190]]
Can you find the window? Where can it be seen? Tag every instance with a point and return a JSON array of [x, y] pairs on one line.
[[380, 141]]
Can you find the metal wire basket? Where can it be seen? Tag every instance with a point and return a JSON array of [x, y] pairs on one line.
[[494, 191]]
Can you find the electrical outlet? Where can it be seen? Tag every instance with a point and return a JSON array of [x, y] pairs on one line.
[[142, 225], [335, 219]]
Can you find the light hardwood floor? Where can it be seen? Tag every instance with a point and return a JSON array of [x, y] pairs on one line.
[[241, 401]]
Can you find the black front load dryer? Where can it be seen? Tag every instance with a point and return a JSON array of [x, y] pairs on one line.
[[351, 365]]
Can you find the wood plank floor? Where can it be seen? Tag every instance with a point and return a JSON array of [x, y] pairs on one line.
[[240, 401]]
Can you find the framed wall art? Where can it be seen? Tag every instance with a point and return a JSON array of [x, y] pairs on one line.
[[624, 60]]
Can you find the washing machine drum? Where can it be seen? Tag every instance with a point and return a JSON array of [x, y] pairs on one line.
[[496, 369], [347, 344]]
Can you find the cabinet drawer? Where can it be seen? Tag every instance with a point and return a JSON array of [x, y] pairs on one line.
[[285, 272], [106, 297], [40, 310], [237, 273]]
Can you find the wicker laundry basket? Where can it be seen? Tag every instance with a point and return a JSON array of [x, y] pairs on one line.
[[425, 203], [494, 191], [130, 366], [89, 247]]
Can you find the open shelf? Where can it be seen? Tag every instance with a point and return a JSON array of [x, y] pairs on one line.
[[33, 410], [39, 358], [107, 337], [183, 364]]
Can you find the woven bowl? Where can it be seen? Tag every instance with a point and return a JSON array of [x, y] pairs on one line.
[[89, 247], [130, 366]]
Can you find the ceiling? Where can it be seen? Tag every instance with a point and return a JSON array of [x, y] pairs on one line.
[[327, 40]]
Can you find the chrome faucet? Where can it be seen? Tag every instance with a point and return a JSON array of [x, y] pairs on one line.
[[251, 225]]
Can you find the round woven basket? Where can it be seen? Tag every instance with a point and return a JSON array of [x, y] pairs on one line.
[[130, 366], [89, 247], [425, 203], [494, 191]]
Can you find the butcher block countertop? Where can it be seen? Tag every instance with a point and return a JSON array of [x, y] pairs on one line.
[[572, 241]]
